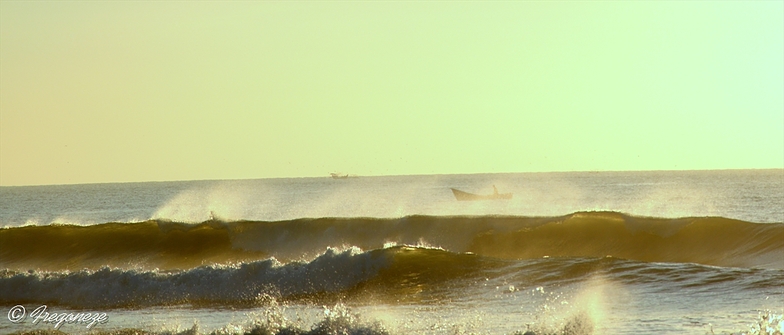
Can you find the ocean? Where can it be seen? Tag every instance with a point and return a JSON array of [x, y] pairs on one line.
[[657, 252]]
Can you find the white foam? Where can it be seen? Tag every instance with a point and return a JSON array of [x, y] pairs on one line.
[[245, 283]]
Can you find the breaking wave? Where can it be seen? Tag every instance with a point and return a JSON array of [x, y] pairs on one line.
[[157, 244], [394, 274]]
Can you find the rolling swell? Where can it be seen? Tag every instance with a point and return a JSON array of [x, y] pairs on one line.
[[159, 244], [150, 244], [334, 275], [709, 240], [244, 284], [399, 274]]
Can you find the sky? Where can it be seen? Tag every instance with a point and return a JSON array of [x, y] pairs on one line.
[[129, 91]]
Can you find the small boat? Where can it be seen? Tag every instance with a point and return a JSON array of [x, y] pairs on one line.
[[338, 176], [465, 196]]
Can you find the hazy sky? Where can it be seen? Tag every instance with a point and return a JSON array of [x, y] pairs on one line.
[[145, 90]]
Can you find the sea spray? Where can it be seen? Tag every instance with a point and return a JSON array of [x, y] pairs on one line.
[[769, 323], [687, 252], [229, 285]]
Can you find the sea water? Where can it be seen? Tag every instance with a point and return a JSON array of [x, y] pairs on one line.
[[666, 252]]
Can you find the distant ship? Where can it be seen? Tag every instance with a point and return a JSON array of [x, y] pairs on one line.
[[465, 196], [338, 176]]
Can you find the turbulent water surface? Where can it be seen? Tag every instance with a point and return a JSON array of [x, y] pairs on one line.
[[692, 252]]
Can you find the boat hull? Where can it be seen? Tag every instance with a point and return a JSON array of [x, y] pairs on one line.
[[465, 196]]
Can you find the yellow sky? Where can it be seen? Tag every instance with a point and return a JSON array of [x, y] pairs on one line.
[[145, 90]]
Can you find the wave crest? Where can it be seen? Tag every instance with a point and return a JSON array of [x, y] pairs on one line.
[[171, 245]]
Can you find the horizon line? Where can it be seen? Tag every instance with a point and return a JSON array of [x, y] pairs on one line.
[[327, 176]]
